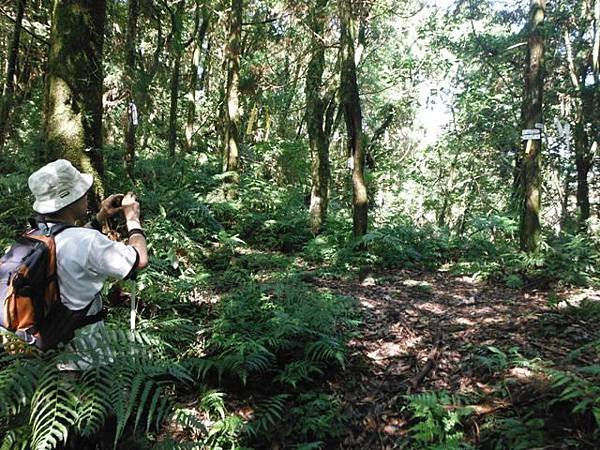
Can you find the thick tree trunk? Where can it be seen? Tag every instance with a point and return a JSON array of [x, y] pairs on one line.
[[353, 117], [130, 82], [11, 64], [531, 177], [315, 120], [73, 101], [231, 138]]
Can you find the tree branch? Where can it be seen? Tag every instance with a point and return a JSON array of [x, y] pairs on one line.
[[26, 30]]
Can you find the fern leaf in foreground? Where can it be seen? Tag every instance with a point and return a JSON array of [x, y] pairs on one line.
[[17, 385], [53, 410]]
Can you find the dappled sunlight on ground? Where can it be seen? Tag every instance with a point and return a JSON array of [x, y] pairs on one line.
[[412, 317]]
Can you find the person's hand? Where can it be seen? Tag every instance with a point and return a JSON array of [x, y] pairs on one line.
[[109, 207], [131, 209]]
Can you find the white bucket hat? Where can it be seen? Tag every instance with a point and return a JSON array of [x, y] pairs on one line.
[[56, 185]]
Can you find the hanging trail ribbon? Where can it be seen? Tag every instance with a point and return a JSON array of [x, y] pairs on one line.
[[133, 114], [133, 312]]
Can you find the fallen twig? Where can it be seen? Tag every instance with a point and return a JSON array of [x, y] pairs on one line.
[[430, 363]]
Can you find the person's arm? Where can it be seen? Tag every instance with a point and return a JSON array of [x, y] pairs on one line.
[[137, 239]]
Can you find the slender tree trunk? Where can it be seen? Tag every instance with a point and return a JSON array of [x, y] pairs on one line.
[[232, 101], [25, 75], [315, 120], [195, 69], [130, 82], [177, 18], [11, 64], [583, 165], [174, 88], [145, 79], [531, 177], [584, 113], [207, 69], [267, 124], [564, 206], [353, 116], [285, 126], [252, 122], [73, 101]]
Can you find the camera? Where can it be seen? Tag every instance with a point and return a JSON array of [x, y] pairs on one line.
[[117, 201]]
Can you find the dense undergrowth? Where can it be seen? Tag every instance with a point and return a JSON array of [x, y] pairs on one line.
[[233, 347]]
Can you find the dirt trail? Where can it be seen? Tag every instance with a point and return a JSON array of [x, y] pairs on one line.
[[422, 330]]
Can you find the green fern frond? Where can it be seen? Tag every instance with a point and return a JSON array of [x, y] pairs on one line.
[[147, 403], [135, 388], [93, 392], [224, 434], [247, 357], [326, 349], [267, 414], [159, 406], [17, 439], [187, 419], [18, 381], [200, 366], [53, 410], [212, 402], [163, 410], [297, 371]]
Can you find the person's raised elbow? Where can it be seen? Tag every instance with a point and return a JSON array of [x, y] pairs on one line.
[[143, 262], [138, 242]]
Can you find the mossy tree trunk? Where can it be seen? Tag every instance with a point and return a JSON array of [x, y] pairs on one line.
[[73, 97], [353, 114], [315, 120], [531, 177], [10, 73], [231, 135]]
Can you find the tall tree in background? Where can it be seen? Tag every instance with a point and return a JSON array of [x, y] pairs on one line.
[[531, 177], [133, 11], [177, 50], [196, 68], [316, 119], [11, 65], [232, 101], [582, 47], [73, 91], [353, 112]]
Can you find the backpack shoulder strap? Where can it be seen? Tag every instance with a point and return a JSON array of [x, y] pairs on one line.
[[58, 228], [40, 227]]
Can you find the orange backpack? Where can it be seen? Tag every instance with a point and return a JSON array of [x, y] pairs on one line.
[[29, 290]]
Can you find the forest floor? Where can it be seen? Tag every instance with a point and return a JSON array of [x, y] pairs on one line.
[[435, 331]]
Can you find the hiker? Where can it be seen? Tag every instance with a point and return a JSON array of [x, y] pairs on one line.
[[86, 258]]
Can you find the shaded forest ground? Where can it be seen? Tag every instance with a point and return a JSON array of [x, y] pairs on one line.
[[441, 360], [433, 331]]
